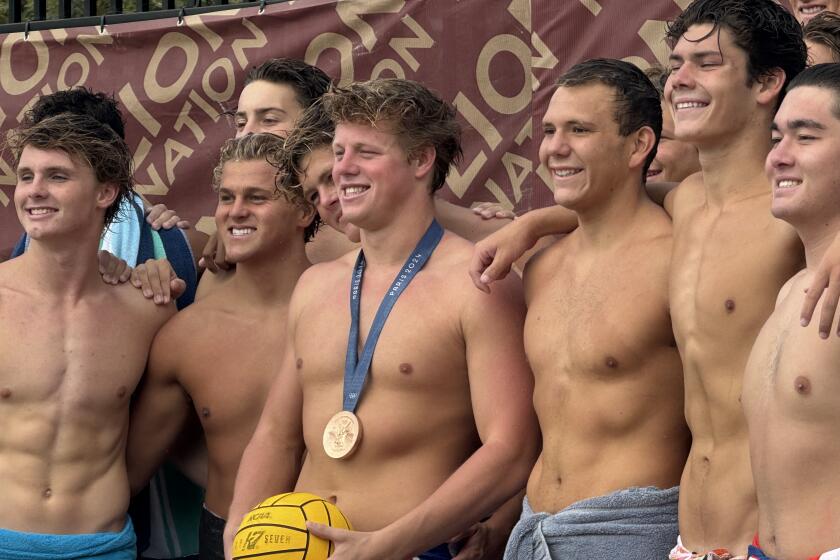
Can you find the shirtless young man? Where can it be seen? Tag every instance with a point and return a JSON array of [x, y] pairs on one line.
[[790, 387], [447, 401], [609, 398], [264, 226], [730, 256], [65, 381]]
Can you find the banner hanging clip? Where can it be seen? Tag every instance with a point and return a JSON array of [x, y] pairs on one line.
[[102, 25], [262, 7], [181, 15], [26, 30]]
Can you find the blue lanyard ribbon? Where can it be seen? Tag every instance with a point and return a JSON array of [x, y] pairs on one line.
[[355, 369]]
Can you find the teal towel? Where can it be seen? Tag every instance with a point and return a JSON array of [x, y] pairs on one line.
[[17, 545]]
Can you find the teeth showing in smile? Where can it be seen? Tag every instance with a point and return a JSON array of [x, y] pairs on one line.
[[566, 172], [653, 172], [810, 10], [690, 105], [354, 190], [787, 184], [40, 211], [240, 232]]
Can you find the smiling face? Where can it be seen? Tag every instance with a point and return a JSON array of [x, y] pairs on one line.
[[675, 160], [804, 10], [319, 189], [56, 195], [266, 107], [373, 174], [801, 165], [251, 217], [582, 147], [707, 88]]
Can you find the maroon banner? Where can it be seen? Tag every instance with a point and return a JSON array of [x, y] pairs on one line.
[[494, 59]]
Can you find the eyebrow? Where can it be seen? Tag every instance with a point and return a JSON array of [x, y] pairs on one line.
[[695, 55], [51, 169], [262, 111], [248, 190], [796, 124]]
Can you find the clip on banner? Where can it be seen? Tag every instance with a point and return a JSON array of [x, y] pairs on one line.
[[102, 25]]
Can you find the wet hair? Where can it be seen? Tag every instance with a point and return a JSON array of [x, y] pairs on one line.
[[767, 33], [314, 130], [824, 28], [308, 82], [79, 101], [418, 117], [826, 76], [269, 148], [87, 141], [658, 75], [636, 102]]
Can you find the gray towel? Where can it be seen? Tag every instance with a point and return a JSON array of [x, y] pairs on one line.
[[631, 524]]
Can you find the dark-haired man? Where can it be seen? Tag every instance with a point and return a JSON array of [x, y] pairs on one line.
[[446, 401], [791, 388], [65, 381], [264, 228], [608, 397]]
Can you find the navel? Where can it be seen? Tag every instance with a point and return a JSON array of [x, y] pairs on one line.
[[299, 363], [611, 362], [729, 305], [205, 412], [121, 391], [406, 368], [47, 492], [5, 393], [802, 385]]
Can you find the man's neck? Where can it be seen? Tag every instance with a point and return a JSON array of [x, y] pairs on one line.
[[271, 278], [64, 269], [817, 236], [391, 244], [733, 169], [604, 224]]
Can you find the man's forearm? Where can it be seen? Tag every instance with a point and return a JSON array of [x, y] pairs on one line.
[[466, 223], [490, 477]]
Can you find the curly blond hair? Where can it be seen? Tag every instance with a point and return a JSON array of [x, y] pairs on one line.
[[417, 116]]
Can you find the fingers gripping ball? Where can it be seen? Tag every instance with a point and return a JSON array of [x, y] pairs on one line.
[[276, 528]]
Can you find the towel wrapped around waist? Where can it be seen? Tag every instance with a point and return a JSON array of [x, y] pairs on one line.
[[17, 545], [631, 524]]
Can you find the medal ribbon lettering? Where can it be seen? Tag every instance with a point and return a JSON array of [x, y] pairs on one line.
[[355, 368]]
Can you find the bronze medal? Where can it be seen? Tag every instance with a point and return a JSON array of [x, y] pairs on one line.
[[342, 435]]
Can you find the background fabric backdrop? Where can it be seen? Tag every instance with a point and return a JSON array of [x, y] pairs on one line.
[[494, 59]]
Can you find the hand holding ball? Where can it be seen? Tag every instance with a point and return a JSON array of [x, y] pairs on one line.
[[276, 529]]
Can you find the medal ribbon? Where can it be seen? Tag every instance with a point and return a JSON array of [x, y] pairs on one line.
[[356, 369]]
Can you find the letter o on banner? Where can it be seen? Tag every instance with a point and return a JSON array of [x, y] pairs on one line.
[[498, 102], [74, 58], [220, 96], [8, 82], [387, 65], [165, 94], [340, 43]]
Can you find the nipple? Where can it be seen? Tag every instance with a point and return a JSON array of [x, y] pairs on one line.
[[5, 393], [611, 362], [802, 385], [406, 368], [729, 305], [205, 412]]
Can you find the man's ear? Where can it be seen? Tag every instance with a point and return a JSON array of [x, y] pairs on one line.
[[643, 142], [306, 213], [769, 86], [424, 160], [107, 195]]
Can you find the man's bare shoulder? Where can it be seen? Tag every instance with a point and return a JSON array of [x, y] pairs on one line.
[[132, 301], [546, 260], [689, 194], [322, 276]]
